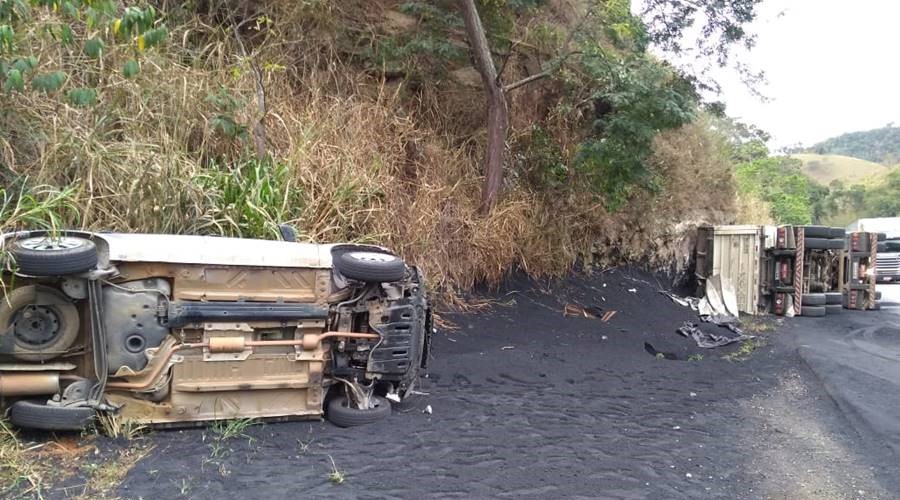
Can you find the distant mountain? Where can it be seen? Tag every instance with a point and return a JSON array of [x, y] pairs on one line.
[[826, 168], [881, 145]]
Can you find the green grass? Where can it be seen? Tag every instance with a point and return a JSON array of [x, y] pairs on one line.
[[826, 168]]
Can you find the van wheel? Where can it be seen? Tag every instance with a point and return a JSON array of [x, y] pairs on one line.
[[54, 256], [342, 414], [37, 415], [372, 267]]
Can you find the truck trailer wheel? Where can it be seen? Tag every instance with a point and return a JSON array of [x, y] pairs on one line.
[[812, 311]]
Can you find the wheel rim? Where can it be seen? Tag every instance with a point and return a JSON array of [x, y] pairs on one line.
[[36, 326], [373, 256], [44, 244]]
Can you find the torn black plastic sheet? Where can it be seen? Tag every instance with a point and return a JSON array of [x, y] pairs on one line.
[[708, 340]]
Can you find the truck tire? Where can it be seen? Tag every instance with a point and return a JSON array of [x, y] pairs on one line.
[[37, 415], [833, 298], [813, 299], [54, 256], [834, 308], [823, 244], [812, 311], [816, 231], [838, 232]]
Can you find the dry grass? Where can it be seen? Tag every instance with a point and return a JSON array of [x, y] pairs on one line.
[[358, 158]]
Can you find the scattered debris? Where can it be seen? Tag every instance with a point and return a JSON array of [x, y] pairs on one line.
[[573, 309], [608, 316], [659, 354], [632, 290], [507, 347], [693, 394], [709, 340], [603, 337], [427, 410]]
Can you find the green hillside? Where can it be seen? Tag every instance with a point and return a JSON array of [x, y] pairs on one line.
[[826, 168], [881, 145]]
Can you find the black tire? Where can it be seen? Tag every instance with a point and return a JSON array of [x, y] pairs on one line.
[[46, 256], [816, 231], [833, 298], [371, 266], [838, 232], [882, 237], [342, 415], [812, 311], [813, 299], [823, 244], [834, 308], [784, 289], [37, 415], [882, 247], [56, 322]]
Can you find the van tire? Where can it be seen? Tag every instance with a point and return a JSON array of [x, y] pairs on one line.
[[59, 256], [371, 266], [37, 415], [342, 415]]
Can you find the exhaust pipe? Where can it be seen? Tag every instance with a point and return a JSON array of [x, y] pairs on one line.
[[28, 384]]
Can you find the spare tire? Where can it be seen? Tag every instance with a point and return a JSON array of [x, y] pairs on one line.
[[341, 414], [812, 311], [813, 299], [833, 298], [371, 266], [37, 415], [44, 322], [823, 244], [54, 255]]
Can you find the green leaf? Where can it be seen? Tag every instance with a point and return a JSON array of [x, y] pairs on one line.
[[25, 64], [154, 36], [14, 81], [6, 37], [130, 69], [94, 48], [49, 82], [66, 37], [82, 97]]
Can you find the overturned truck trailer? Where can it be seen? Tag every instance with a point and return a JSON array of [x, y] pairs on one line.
[[790, 270]]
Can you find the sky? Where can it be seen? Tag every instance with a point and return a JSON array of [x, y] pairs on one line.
[[831, 65]]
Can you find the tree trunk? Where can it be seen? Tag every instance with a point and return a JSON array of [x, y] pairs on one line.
[[498, 113]]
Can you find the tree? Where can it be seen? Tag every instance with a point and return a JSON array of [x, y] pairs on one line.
[[668, 20]]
